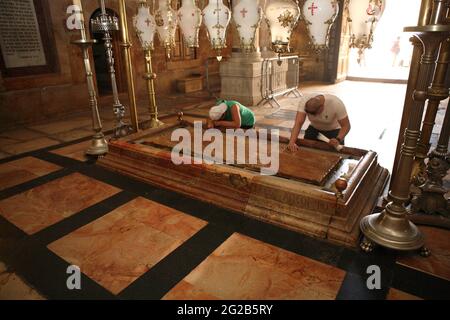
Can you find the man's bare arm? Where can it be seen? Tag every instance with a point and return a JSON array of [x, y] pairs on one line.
[[299, 121], [345, 128]]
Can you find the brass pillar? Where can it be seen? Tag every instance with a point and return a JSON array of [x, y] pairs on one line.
[[126, 46], [149, 76], [436, 92], [391, 228], [99, 146], [424, 18]]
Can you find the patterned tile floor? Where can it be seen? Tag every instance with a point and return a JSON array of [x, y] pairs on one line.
[[135, 241]]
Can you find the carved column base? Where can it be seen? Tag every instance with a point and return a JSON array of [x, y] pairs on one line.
[[391, 231], [99, 146]]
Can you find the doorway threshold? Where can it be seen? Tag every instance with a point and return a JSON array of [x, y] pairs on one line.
[[382, 80]]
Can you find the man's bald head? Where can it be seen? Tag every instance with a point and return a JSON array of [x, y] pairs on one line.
[[314, 104]]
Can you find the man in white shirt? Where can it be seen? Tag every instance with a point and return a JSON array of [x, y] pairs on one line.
[[327, 115]]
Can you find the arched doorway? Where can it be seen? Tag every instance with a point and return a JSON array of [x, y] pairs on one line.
[[100, 62]]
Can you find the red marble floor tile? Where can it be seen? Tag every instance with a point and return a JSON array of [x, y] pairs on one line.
[[52, 202], [438, 264], [22, 170], [74, 151], [244, 268], [395, 294], [121, 246]]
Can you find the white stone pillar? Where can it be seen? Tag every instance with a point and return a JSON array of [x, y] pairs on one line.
[[241, 75]]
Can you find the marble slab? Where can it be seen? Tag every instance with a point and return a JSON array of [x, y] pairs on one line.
[[74, 151], [305, 164], [395, 294], [31, 145], [121, 246], [12, 287], [22, 170], [245, 268], [438, 264], [54, 201]]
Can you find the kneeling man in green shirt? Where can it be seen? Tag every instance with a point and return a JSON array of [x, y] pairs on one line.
[[231, 114]]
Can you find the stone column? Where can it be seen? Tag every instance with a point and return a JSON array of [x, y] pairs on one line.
[[241, 74]]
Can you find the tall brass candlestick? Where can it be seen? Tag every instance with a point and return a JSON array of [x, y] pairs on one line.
[[431, 199], [436, 92], [391, 228], [126, 46], [149, 76], [99, 146]]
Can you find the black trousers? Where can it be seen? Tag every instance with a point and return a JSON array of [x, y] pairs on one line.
[[311, 133]]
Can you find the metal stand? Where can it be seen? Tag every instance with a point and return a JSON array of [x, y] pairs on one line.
[[126, 46], [105, 24], [268, 90], [431, 198], [391, 228], [149, 76], [99, 146]]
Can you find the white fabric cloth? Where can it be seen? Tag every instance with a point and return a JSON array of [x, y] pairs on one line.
[[334, 110], [216, 112]]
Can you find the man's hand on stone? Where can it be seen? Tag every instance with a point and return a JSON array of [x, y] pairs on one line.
[[292, 147], [334, 143]]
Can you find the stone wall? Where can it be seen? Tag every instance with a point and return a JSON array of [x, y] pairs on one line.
[[35, 98]]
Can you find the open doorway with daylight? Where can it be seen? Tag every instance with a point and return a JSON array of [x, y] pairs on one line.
[[100, 61], [390, 55]]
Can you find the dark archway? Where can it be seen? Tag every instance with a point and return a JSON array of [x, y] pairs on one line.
[[100, 62]]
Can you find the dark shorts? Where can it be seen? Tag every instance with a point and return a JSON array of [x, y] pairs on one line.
[[311, 133]]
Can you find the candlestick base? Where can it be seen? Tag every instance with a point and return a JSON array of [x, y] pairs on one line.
[[154, 123], [99, 146], [391, 230]]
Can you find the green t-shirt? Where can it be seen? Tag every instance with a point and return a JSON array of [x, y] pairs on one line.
[[247, 116]]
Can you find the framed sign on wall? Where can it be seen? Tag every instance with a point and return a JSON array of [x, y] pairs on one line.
[[27, 44]]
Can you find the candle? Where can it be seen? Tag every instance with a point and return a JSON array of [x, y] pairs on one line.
[[102, 5], [81, 18]]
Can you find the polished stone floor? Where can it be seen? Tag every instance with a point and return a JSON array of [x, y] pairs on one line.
[[133, 240], [136, 241]]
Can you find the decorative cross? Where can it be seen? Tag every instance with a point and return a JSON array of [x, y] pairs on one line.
[[312, 8], [244, 11], [217, 10], [148, 21]]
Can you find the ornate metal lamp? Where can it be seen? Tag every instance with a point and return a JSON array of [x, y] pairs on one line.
[[106, 24], [145, 27], [319, 16], [247, 16], [190, 20], [282, 17], [216, 17], [363, 19], [166, 24], [99, 146]]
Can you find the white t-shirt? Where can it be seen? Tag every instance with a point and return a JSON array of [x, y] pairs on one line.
[[334, 110]]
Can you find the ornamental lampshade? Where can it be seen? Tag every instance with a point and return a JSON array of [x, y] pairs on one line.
[[364, 16], [319, 17], [282, 17], [247, 17], [190, 20], [216, 17], [166, 24], [144, 25]]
